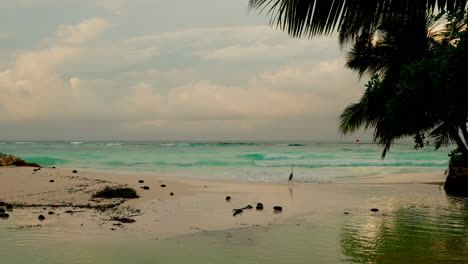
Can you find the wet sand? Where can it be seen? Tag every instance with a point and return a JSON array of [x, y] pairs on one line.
[[196, 206], [320, 223]]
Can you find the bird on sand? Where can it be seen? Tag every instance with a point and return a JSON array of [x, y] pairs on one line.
[[291, 175]]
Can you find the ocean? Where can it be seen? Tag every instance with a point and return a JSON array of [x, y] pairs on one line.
[[312, 161]]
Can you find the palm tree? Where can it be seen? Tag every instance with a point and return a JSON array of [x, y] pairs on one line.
[[409, 102], [351, 18]]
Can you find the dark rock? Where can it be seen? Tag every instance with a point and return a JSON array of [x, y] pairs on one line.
[[4, 216], [51, 213], [228, 198], [9, 207], [75, 171], [2, 210], [172, 194], [259, 206], [145, 187], [2, 204], [53, 167], [163, 185], [41, 217], [248, 207], [35, 170], [346, 213], [456, 183], [278, 208], [51, 181], [141, 181], [374, 210], [22, 163], [236, 211]]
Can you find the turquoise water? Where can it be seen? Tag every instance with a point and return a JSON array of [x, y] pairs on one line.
[[245, 161]]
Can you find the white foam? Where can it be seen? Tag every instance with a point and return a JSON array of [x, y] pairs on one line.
[[114, 144], [75, 142]]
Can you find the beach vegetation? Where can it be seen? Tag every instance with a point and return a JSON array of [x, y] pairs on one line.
[[116, 192], [7, 159]]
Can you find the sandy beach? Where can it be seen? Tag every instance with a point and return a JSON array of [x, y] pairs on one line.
[[195, 206], [319, 223]]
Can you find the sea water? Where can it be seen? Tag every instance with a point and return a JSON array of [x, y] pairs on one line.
[[243, 161]]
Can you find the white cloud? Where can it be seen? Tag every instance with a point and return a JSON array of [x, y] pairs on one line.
[[84, 32], [229, 79]]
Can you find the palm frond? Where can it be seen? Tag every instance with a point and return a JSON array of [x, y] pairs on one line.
[[350, 17], [441, 135]]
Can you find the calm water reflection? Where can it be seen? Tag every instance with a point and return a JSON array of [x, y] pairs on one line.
[[429, 232]]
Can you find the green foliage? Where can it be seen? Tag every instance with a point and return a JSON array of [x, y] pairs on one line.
[[7, 159], [422, 95], [457, 159], [116, 192]]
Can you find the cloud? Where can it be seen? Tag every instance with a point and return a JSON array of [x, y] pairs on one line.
[[200, 81], [32, 86], [295, 90], [84, 32]]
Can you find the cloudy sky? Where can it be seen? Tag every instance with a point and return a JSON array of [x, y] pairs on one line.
[[164, 70]]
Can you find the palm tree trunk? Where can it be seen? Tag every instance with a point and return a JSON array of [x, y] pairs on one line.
[[464, 132], [461, 145]]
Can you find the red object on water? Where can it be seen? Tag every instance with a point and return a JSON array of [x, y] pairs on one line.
[[357, 140]]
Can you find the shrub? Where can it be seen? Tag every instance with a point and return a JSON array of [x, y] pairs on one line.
[[457, 159], [116, 192]]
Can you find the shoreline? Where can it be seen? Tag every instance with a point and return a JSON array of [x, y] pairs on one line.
[[197, 205]]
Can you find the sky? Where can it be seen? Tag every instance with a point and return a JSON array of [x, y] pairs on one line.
[[165, 70]]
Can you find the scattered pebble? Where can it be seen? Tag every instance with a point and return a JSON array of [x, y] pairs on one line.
[[2, 210], [51, 181], [75, 171], [4, 216], [278, 208], [259, 206], [346, 213], [374, 210], [172, 194], [141, 181], [2, 203], [145, 187], [163, 185], [9, 207], [41, 217], [228, 198], [51, 213], [53, 167]]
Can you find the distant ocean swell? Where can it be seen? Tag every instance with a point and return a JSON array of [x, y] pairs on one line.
[[257, 160], [356, 163]]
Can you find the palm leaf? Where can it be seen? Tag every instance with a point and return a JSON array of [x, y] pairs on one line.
[[350, 17]]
